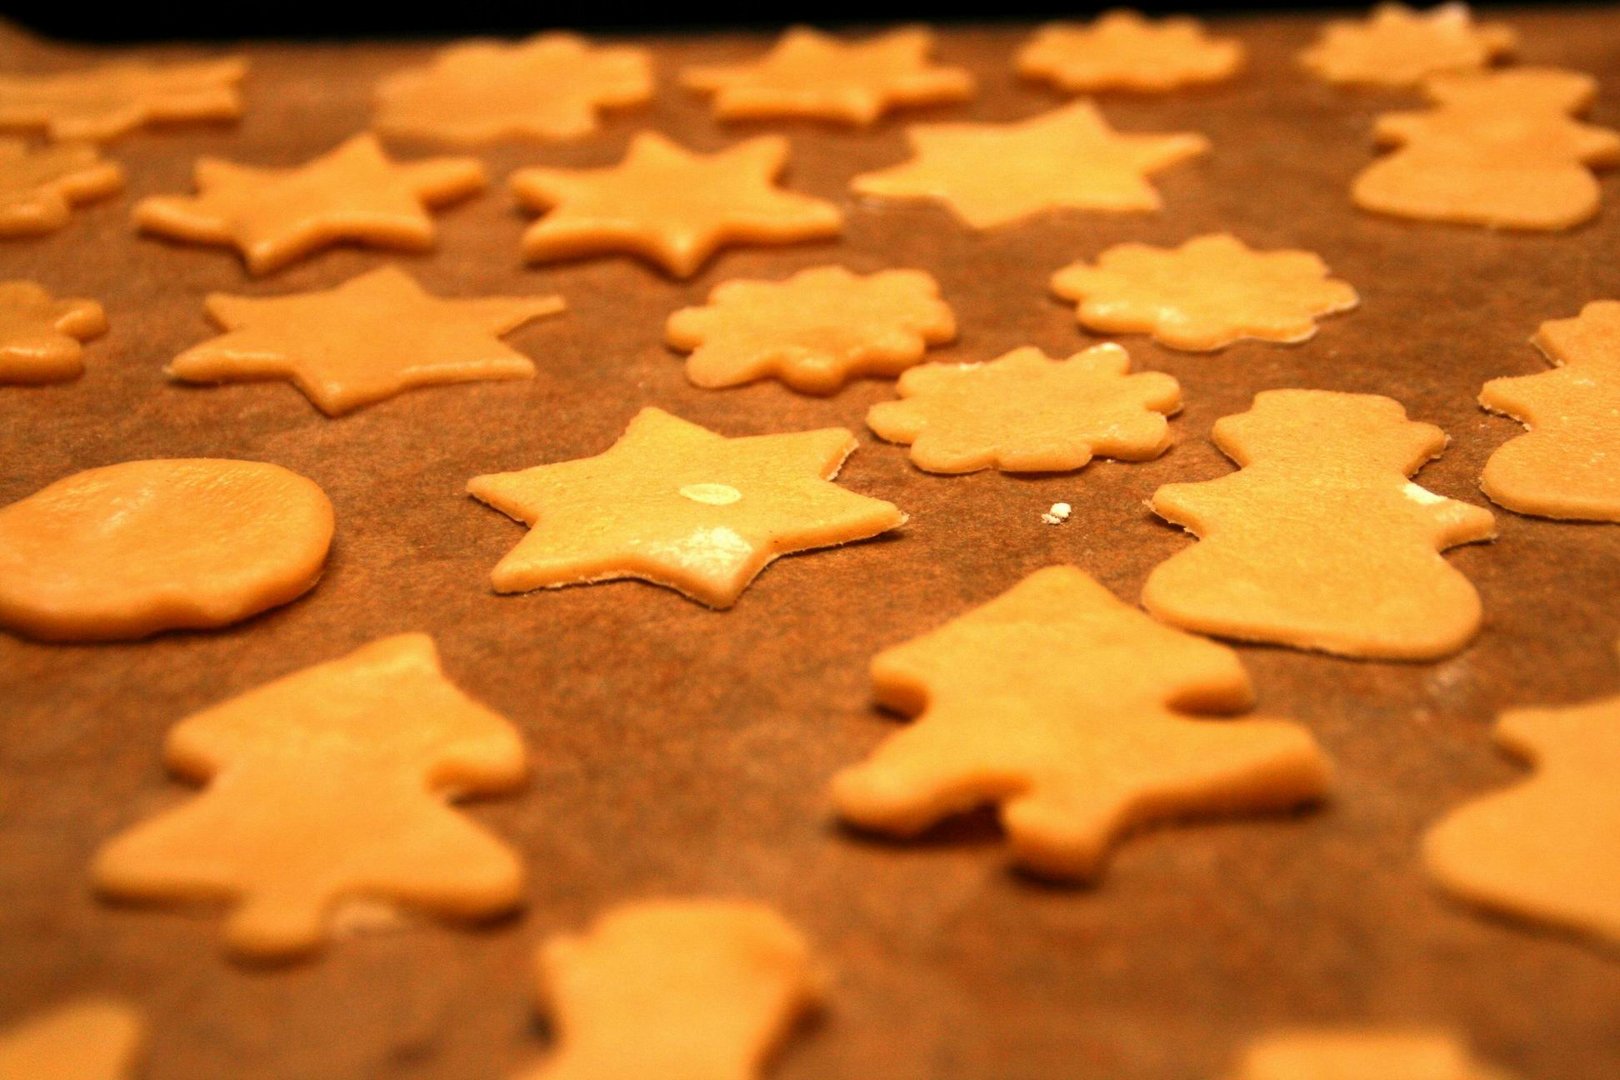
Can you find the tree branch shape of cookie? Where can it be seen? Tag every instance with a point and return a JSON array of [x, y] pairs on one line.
[[327, 786], [84, 1040], [1400, 46], [1208, 293], [1501, 150], [815, 331], [812, 74], [1121, 50], [1320, 541], [680, 506], [41, 337], [40, 186], [1025, 412], [550, 86], [1070, 710], [1568, 466], [674, 989], [353, 193], [1361, 1054], [1544, 849], [101, 102]]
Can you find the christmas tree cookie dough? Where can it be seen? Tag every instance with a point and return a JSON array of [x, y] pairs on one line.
[[1400, 46], [669, 205], [1320, 541], [325, 786], [1025, 412], [1077, 715], [812, 74], [1360, 1054], [102, 102], [674, 989], [997, 174], [1502, 150], [549, 86], [354, 193], [1121, 50], [368, 339], [1543, 849], [85, 1040], [1568, 466], [40, 336], [40, 186], [680, 506], [815, 331], [127, 550], [1206, 294]]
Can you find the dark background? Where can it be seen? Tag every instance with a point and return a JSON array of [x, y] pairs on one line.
[[226, 19]]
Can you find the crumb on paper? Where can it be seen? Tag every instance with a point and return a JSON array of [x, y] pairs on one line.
[[1058, 514]]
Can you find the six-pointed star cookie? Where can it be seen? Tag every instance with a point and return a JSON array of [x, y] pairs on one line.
[[1399, 46], [364, 341], [548, 87], [812, 74], [1206, 294], [40, 336], [670, 205], [678, 505], [276, 216], [995, 174], [40, 186], [1124, 51], [106, 101], [814, 331]]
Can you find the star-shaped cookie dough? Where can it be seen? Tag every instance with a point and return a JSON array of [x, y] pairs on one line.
[[1399, 46], [277, 216], [812, 74], [40, 336], [39, 186], [814, 331], [678, 505], [670, 205], [996, 174], [550, 86], [368, 339], [1026, 412], [1124, 51], [1206, 294], [106, 101]]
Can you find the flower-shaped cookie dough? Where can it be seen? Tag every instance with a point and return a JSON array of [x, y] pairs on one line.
[[814, 331], [40, 336], [812, 74], [678, 505], [277, 216], [996, 174], [1124, 51], [1211, 291], [39, 186], [1026, 412], [1399, 46], [670, 205], [550, 86], [109, 100]]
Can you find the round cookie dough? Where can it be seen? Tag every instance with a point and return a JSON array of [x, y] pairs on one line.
[[127, 550]]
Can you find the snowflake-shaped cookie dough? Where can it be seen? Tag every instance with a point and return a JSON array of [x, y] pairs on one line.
[[1124, 51]]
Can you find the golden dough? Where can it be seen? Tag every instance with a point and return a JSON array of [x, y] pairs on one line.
[[40, 186], [678, 505], [674, 990], [85, 1040], [1400, 46], [1025, 412], [127, 550], [1321, 542], [815, 331], [1360, 1054], [1121, 50], [1067, 708], [669, 205], [1568, 466], [105, 101], [812, 74], [40, 336], [329, 785]]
